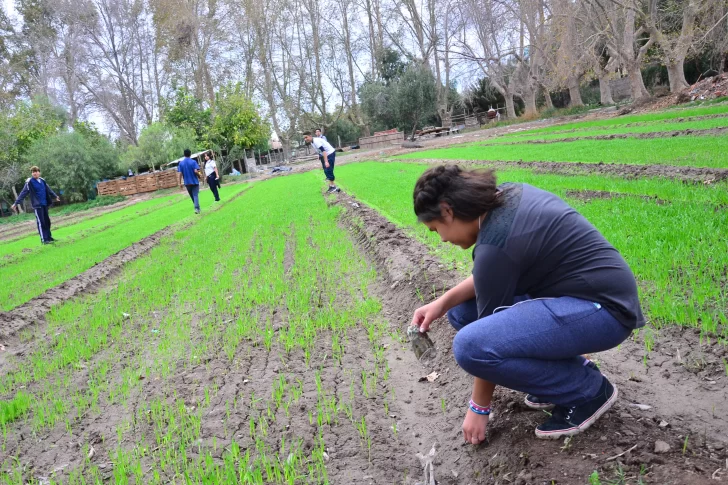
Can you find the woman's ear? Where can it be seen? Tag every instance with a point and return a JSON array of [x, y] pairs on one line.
[[446, 212]]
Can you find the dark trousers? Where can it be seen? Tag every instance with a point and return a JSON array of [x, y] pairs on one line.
[[44, 223], [329, 172], [194, 191], [214, 183]]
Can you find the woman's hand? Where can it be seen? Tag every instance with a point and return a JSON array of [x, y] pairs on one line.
[[474, 427], [425, 315]]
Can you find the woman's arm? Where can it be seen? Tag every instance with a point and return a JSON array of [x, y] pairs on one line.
[[424, 316], [475, 424]]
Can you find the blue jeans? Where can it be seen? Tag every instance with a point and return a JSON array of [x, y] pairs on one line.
[[329, 172], [535, 346], [194, 191]]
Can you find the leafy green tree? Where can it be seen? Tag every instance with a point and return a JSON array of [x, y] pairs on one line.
[[237, 122], [73, 162], [184, 110], [416, 96], [158, 144], [406, 103], [391, 65], [19, 129]]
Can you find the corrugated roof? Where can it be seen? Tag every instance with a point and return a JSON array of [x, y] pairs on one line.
[[194, 155]]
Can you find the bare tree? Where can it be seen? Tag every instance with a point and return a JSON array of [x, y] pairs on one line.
[[616, 22], [674, 26], [116, 78]]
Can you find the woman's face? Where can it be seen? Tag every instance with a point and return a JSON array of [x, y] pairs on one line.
[[453, 230]]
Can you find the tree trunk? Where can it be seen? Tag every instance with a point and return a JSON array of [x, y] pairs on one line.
[[529, 98], [676, 74], [547, 98], [510, 106], [574, 93], [605, 91], [636, 83], [20, 206]]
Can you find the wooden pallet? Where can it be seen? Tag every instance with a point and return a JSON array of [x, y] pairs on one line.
[[107, 188]]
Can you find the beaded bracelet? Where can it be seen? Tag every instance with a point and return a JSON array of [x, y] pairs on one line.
[[478, 409]]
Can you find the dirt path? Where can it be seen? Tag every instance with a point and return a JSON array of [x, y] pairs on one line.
[[674, 393]]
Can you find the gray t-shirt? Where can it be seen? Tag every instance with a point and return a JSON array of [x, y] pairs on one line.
[[536, 244]]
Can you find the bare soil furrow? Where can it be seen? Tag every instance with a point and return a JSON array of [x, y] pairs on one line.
[[512, 454]]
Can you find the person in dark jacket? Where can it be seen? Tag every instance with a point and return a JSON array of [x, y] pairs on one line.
[[41, 196], [546, 288]]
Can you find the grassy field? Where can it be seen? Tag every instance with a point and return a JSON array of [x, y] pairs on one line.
[[283, 280], [704, 151], [693, 151], [24, 246], [26, 278], [253, 343], [64, 210], [653, 127], [641, 118], [673, 237]]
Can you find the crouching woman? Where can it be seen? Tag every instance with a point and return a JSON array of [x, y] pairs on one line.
[[546, 287]]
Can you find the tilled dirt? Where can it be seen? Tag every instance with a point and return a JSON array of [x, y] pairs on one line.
[[679, 404], [687, 174], [34, 310], [589, 195], [622, 136]]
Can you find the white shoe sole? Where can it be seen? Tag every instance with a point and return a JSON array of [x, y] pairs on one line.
[[538, 406], [554, 435]]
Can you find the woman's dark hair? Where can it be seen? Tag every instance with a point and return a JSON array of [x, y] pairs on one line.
[[470, 193]]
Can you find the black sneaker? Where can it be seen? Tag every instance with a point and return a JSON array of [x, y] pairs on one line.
[[539, 404], [568, 421], [332, 189]]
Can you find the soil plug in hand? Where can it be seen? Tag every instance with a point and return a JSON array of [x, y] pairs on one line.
[[422, 346]]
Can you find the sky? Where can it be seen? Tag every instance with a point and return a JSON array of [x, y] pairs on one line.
[[9, 6]]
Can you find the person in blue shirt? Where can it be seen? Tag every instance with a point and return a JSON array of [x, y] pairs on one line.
[[40, 198], [189, 174]]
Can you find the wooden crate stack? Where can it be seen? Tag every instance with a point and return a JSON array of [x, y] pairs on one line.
[[166, 179], [108, 188], [127, 187], [141, 183]]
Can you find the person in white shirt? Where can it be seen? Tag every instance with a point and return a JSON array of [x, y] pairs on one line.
[[213, 176], [327, 155], [318, 134]]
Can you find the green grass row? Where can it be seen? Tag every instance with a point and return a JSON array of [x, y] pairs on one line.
[[64, 210], [639, 118], [677, 249], [25, 279], [703, 151], [643, 128], [25, 246], [273, 256]]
